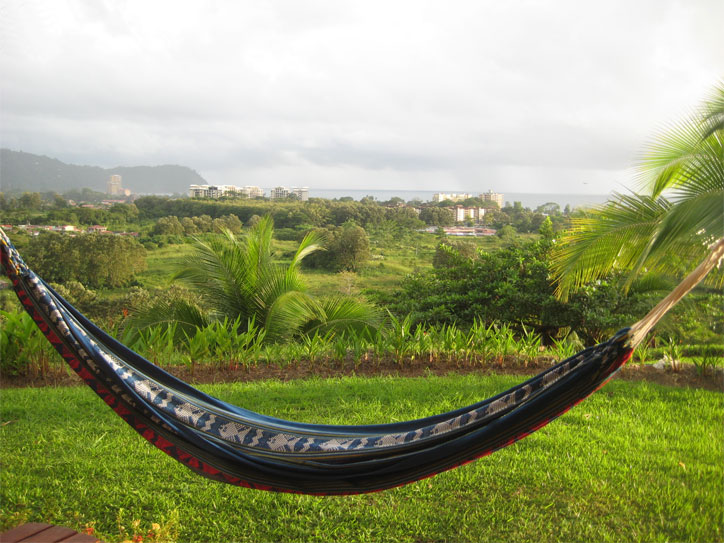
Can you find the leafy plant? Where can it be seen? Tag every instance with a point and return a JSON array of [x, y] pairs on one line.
[[23, 348], [642, 353], [673, 354], [708, 360]]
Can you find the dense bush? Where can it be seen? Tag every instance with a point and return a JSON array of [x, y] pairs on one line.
[[96, 260], [347, 248], [511, 285]]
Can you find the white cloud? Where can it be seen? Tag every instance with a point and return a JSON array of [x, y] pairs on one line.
[[339, 93]]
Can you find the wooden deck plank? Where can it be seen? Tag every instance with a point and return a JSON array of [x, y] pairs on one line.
[[37, 532], [22, 532], [51, 535]]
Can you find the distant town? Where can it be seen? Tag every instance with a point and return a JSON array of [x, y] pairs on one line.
[[468, 209]]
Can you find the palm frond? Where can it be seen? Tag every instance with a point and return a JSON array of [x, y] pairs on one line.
[[343, 314], [612, 237], [640, 233], [186, 315]]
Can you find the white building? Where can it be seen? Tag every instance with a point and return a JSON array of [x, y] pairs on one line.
[[491, 196], [217, 191], [442, 196], [113, 186], [253, 191], [474, 213], [301, 192], [279, 193]]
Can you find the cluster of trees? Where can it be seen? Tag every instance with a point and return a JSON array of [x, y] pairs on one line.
[[52, 208], [347, 248], [172, 226], [96, 260], [292, 218], [512, 285], [315, 213]]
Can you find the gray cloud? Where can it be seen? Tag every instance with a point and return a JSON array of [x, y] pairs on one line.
[[518, 95]]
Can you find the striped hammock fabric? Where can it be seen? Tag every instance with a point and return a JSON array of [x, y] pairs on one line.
[[237, 446]]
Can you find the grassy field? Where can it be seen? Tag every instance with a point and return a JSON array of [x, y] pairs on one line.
[[635, 462], [162, 263], [391, 259]]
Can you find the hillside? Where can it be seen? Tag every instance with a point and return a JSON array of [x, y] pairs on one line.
[[21, 171]]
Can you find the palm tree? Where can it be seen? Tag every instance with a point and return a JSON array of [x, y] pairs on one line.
[[668, 228], [235, 278]]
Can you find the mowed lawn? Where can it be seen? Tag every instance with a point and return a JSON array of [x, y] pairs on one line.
[[635, 462]]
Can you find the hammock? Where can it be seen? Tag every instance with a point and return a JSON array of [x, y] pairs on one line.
[[237, 446]]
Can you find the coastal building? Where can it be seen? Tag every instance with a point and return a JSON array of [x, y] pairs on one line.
[[442, 196], [302, 193], [278, 193], [253, 191], [113, 186], [464, 213], [217, 191], [491, 196]]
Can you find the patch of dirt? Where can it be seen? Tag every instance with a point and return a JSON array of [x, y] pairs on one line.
[[688, 376]]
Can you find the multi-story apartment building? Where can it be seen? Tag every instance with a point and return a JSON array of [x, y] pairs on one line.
[[301, 192], [474, 213], [442, 196], [113, 186], [279, 193], [491, 196], [217, 191]]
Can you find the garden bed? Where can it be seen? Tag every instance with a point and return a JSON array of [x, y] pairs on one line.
[[688, 376]]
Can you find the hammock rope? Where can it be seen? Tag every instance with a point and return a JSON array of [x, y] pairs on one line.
[[234, 445]]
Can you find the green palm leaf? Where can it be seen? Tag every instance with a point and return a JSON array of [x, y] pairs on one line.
[[237, 279], [678, 218]]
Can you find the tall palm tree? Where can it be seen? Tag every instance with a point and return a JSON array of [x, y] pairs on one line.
[[674, 223], [236, 278]]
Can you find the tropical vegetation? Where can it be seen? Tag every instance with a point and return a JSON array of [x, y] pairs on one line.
[[670, 226], [235, 279]]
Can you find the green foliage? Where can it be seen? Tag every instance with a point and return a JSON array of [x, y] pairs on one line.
[[680, 213], [346, 248], [437, 216], [96, 260], [236, 278], [451, 252], [172, 226], [23, 348], [512, 285], [710, 357]]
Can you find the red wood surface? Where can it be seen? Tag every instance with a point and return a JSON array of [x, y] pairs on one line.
[[36, 532]]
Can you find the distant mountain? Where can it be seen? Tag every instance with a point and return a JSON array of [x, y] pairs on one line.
[[21, 171]]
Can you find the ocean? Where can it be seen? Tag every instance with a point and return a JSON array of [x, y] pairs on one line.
[[529, 200]]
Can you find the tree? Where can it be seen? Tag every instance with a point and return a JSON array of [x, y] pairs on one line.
[[677, 218], [168, 225], [510, 285], [236, 279], [347, 248], [353, 248], [449, 253], [437, 216], [95, 260]]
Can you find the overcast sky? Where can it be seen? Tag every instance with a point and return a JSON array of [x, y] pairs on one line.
[[518, 96]]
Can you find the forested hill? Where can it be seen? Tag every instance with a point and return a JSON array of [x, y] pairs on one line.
[[21, 171]]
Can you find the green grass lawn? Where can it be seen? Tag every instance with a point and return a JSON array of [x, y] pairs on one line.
[[635, 462]]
